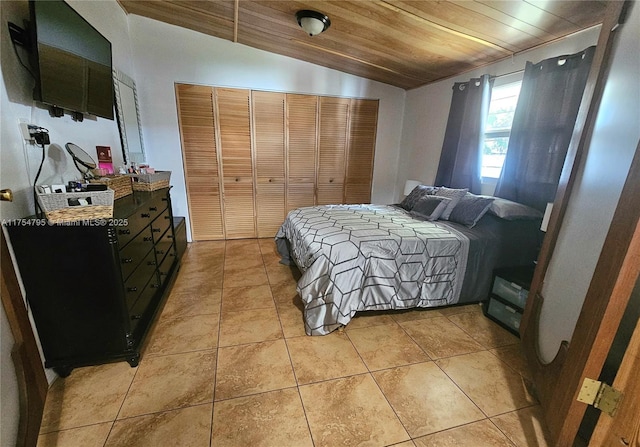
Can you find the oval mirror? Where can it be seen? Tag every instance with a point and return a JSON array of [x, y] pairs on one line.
[[81, 159]]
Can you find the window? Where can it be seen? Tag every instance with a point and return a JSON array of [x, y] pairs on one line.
[[498, 127]]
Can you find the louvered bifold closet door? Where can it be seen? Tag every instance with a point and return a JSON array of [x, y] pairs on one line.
[[199, 152], [362, 142], [332, 149], [302, 112], [237, 167], [269, 156]]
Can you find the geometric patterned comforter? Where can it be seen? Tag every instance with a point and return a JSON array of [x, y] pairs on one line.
[[370, 257]]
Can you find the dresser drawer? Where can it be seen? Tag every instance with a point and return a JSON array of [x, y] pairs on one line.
[[135, 252], [507, 315], [166, 264], [135, 284], [510, 291], [141, 306], [160, 226], [164, 245]]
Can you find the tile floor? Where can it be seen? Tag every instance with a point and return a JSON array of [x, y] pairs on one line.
[[229, 364]]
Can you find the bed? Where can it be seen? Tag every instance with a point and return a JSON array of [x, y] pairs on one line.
[[356, 258]]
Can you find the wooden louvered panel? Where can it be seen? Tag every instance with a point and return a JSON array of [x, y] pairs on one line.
[[270, 207], [235, 132], [238, 210], [299, 195], [332, 145], [301, 133], [268, 134], [197, 131], [356, 193], [362, 139], [204, 205], [330, 194]]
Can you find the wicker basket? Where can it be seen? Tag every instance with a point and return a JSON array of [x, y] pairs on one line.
[[57, 208], [121, 184], [151, 182]]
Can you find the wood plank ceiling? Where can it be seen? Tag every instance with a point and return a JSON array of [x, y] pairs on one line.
[[405, 43]]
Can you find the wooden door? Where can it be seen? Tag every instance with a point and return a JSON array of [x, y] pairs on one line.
[[200, 158], [234, 127], [268, 112], [362, 143], [302, 114], [558, 382], [32, 381], [333, 120], [624, 427]]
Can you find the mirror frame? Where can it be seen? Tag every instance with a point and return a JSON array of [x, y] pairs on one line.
[[120, 78]]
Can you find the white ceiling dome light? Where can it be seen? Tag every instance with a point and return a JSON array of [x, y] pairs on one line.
[[312, 22]]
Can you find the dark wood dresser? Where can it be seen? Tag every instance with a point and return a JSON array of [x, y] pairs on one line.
[[95, 287]]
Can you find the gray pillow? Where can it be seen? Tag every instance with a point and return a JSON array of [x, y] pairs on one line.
[[508, 210], [410, 201], [470, 209], [455, 195], [430, 207]]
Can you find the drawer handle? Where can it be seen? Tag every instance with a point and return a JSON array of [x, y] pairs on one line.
[[147, 239], [169, 236], [127, 231], [127, 260], [151, 263], [147, 215], [132, 289], [136, 317], [154, 286], [165, 199], [160, 252], [155, 230], [167, 217], [153, 208]]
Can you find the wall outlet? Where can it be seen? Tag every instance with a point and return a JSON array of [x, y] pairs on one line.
[[26, 131]]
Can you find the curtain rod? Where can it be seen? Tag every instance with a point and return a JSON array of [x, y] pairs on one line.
[[507, 74]]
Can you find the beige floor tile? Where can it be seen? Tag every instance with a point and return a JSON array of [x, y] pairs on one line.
[[268, 247], [263, 420], [350, 412], [171, 382], [89, 436], [247, 298], [187, 427], [197, 281], [286, 293], [386, 346], [175, 335], [90, 395], [489, 382], [243, 275], [253, 368], [404, 444], [279, 273], [249, 326], [513, 356], [239, 247], [243, 261], [478, 434], [291, 320], [440, 338], [189, 303], [402, 316], [324, 357], [454, 310], [369, 319], [483, 330], [525, 427], [425, 399]]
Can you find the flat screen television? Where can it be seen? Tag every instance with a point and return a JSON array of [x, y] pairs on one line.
[[72, 60]]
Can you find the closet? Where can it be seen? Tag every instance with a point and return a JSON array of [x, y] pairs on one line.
[[252, 156]]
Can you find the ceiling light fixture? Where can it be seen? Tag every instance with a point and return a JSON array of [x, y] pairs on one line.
[[312, 22]]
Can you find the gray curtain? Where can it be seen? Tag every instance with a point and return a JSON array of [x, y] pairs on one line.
[[542, 127], [460, 160]]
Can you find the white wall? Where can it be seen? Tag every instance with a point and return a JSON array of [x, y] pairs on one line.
[[427, 108], [19, 162], [167, 54], [595, 193]]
